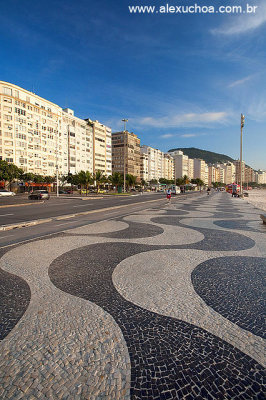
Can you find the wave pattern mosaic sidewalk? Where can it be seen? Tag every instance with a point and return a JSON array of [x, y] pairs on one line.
[[162, 304]]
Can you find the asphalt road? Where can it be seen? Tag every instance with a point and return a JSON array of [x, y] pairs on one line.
[[59, 209]]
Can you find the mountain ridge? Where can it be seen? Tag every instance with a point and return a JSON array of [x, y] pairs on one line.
[[210, 157]]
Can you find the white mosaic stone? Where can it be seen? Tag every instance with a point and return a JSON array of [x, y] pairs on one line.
[[160, 281], [74, 338]]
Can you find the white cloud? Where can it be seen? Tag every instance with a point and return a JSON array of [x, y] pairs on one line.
[[167, 136], [240, 81], [189, 135], [182, 120], [244, 22]]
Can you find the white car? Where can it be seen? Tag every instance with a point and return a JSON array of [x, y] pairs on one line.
[[5, 192]]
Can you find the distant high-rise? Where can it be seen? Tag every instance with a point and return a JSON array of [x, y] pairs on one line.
[[126, 153]]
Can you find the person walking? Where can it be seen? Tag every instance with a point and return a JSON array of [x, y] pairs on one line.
[[168, 195]]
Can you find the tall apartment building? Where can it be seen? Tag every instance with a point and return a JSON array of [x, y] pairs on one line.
[[201, 170], [238, 169], [191, 168], [144, 166], [30, 130], [102, 147], [260, 176], [213, 174], [181, 163], [39, 136], [77, 144], [126, 149], [249, 175], [168, 169], [155, 162]]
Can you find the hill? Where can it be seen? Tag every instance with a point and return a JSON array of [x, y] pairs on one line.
[[208, 156]]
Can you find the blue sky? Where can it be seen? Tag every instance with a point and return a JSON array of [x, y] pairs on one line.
[[181, 80]]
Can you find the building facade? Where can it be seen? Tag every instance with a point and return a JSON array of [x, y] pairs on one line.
[[39, 136], [126, 153], [30, 131], [201, 170], [77, 144], [181, 163]]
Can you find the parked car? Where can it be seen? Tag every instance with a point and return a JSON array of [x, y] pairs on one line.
[[39, 195], [5, 192], [62, 192]]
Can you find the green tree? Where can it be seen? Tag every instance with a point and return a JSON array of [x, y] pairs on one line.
[[143, 182], [98, 177], [116, 179], [130, 180], [85, 179], [179, 181], [9, 172]]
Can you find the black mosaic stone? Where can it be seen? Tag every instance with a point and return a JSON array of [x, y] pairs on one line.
[[14, 300], [133, 231], [235, 288], [176, 212], [214, 240], [226, 215], [170, 359], [240, 225]]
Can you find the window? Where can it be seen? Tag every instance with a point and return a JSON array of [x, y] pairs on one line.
[[7, 91], [7, 100]]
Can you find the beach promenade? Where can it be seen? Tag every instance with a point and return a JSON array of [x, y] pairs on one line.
[[165, 303]]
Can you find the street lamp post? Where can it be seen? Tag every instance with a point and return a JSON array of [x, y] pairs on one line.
[[241, 145], [125, 121], [57, 172]]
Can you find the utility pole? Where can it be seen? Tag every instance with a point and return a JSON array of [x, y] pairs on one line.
[[241, 146], [125, 121], [57, 172]]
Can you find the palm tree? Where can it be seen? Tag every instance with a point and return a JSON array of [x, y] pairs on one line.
[[85, 179], [116, 179], [143, 182], [98, 177], [130, 180]]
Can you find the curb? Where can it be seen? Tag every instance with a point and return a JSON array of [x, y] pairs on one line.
[[24, 224], [21, 204]]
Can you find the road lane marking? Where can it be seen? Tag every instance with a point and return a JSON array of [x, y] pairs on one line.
[[64, 223], [83, 205], [4, 215], [2, 237]]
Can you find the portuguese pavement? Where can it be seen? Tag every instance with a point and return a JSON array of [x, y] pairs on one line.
[[166, 303]]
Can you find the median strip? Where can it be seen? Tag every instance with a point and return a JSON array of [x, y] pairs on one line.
[[20, 204]]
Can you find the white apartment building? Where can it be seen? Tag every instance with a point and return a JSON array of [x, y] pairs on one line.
[[191, 168], [155, 162], [39, 136], [168, 168], [30, 130], [181, 163], [102, 147], [201, 170], [77, 144], [144, 166], [212, 174], [261, 176]]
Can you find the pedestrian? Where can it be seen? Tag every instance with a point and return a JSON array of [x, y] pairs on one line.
[[168, 195], [208, 191]]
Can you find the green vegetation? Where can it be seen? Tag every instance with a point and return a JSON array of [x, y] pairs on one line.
[[208, 156]]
